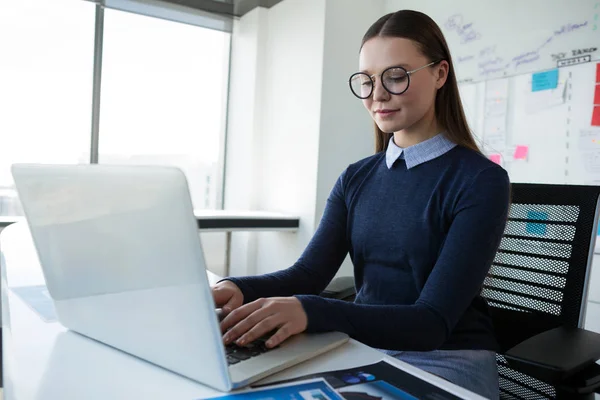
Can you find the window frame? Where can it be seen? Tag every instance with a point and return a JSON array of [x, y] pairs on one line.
[[177, 14]]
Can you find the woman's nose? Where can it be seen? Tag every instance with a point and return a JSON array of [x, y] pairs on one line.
[[379, 92]]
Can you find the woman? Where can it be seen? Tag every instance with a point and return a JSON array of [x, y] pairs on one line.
[[421, 219]]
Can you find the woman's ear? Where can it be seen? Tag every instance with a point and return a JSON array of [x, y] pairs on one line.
[[442, 73]]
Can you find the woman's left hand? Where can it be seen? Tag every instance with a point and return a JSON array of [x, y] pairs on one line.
[[253, 320]]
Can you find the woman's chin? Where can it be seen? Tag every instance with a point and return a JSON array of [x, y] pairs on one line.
[[389, 127]]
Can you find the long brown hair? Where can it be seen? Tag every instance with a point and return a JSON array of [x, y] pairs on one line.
[[428, 36]]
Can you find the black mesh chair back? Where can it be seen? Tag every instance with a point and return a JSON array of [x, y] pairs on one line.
[[538, 280]]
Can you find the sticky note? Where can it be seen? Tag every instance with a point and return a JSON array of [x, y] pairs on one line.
[[597, 95], [544, 80], [497, 158], [596, 116], [536, 228], [521, 152], [598, 73]]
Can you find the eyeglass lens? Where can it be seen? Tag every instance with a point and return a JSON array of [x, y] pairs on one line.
[[394, 80]]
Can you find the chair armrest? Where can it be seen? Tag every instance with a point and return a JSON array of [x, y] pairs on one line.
[[341, 288], [585, 382], [555, 355]]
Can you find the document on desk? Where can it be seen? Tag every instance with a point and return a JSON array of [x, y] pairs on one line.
[[315, 389], [381, 380]]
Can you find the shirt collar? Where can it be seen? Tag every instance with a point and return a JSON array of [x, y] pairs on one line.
[[419, 153]]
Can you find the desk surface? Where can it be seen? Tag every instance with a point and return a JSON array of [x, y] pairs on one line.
[[224, 220], [46, 361]]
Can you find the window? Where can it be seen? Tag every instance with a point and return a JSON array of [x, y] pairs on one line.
[[163, 93], [46, 67], [163, 98]]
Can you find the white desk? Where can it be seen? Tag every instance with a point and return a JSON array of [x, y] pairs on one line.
[[45, 361]]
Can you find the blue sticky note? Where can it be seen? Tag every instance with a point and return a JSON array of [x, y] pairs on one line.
[[544, 80], [536, 228]]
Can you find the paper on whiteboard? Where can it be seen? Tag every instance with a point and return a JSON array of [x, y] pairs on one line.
[[496, 108], [494, 134], [591, 162], [494, 125], [542, 100], [496, 98], [497, 88], [468, 97], [589, 150], [589, 140]]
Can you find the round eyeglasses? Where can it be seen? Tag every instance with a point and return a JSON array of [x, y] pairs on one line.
[[393, 79]]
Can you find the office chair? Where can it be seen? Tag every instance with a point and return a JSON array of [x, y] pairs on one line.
[[537, 293]]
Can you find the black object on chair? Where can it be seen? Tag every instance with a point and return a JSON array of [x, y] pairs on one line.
[[341, 288], [537, 293]]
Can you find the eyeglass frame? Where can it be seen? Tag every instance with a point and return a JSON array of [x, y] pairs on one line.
[[408, 74]]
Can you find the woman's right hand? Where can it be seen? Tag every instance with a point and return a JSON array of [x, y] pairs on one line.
[[228, 296]]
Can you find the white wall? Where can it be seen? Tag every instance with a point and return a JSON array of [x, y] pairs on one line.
[[273, 127], [290, 137], [346, 129], [244, 127], [293, 124]]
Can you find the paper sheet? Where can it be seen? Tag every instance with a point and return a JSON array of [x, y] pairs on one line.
[[589, 140], [542, 100], [495, 111], [305, 390], [379, 380], [589, 153], [494, 133]]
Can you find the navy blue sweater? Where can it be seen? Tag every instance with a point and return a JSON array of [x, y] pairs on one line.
[[421, 240]]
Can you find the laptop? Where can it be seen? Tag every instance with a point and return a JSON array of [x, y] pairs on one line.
[[121, 254]]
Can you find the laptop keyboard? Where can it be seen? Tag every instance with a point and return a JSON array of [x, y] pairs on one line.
[[236, 353]]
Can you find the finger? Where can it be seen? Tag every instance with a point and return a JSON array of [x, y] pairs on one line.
[[221, 296], [230, 305], [258, 330], [282, 333], [239, 314], [245, 325]]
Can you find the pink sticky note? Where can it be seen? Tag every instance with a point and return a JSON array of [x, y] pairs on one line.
[[521, 152], [497, 158]]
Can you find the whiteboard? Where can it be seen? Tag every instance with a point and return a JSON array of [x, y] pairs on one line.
[[495, 39], [554, 126], [538, 136]]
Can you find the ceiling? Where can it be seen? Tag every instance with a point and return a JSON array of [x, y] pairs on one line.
[[235, 8]]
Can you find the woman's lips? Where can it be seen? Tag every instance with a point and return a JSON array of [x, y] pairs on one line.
[[385, 112]]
